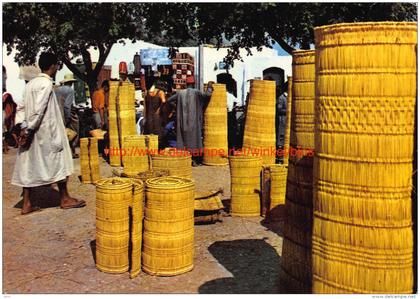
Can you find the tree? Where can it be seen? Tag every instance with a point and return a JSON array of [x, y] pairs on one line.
[[70, 29], [291, 25]]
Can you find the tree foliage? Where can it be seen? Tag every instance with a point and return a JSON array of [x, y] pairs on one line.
[[70, 29]]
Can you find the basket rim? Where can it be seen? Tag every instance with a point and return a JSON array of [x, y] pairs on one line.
[[108, 183], [374, 26], [175, 182]]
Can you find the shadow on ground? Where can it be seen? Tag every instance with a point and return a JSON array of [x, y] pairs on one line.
[[253, 263], [43, 197], [275, 220]]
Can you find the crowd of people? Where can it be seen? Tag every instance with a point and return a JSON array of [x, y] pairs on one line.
[[46, 126]]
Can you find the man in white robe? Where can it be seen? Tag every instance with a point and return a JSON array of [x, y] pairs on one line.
[[48, 159]]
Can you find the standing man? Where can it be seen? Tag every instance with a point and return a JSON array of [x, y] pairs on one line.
[[98, 104], [44, 156], [190, 105], [65, 97]]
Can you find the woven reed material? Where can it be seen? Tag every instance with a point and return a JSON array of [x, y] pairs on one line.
[[176, 162], [366, 92], [135, 155], [114, 160], [288, 120], [119, 220], [277, 187], [215, 128], [260, 131], [168, 239], [298, 207], [89, 161], [245, 174]]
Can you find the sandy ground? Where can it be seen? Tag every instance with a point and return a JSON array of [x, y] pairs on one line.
[[51, 251]]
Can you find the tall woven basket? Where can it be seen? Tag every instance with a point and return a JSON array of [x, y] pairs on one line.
[[89, 162], [126, 111], [296, 252], [135, 155], [260, 130], [215, 128], [114, 142], [115, 198], [278, 179], [245, 174], [366, 82], [288, 120], [177, 162], [168, 239]]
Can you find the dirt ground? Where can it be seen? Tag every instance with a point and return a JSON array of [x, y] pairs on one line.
[[51, 251]]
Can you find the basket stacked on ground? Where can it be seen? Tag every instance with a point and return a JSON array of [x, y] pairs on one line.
[[114, 199], [296, 253], [126, 110], [366, 82], [114, 142], [288, 120], [135, 155], [152, 143], [260, 131], [278, 179], [89, 162], [168, 238], [215, 128], [245, 174], [177, 162]]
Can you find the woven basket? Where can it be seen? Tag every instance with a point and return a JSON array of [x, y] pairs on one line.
[[366, 95], [298, 206], [113, 198], [98, 133], [245, 174], [260, 132], [168, 239], [288, 120], [135, 155], [215, 128], [152, 142], [178, 163], [278, 179], [114, 143], [89, 162]]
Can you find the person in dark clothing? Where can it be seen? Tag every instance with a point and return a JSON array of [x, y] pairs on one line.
[[154, 102], [191, 104]]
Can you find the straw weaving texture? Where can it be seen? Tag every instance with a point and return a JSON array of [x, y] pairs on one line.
[[215, 127], [135, 158], [366, 92], [260, 132], [114, 160], [245, 174], [168, 238], [278, 180], [178, 164], [89, 162], [296, 252]]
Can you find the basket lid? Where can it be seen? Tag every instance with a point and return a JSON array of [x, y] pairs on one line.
[[169, 182]]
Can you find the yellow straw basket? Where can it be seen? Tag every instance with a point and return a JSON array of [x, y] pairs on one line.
[[168, 239], [215, 128], [366, 95], [152, 142], [260, 132], [296, 252], [178, 163], [278, 179], [135, 155], [115, 198], [114, 143], [89, 162], [245, 174]]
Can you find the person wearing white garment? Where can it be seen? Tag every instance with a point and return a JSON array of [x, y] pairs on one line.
[[45, 158]]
